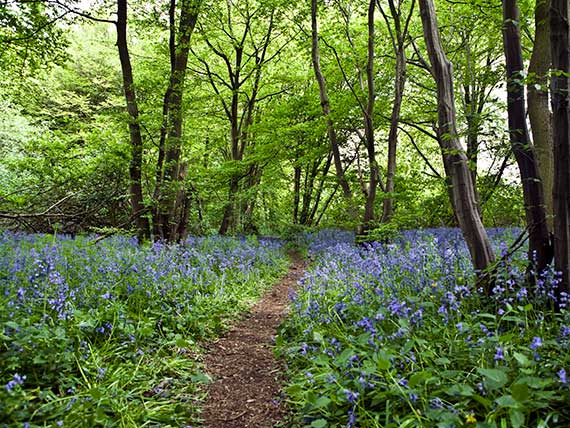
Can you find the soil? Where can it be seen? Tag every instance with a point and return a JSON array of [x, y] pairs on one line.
[[246, 377]]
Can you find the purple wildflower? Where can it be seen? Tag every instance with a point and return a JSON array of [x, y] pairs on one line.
[[499, 354], [562, 377], [536, 343], [17, 380]]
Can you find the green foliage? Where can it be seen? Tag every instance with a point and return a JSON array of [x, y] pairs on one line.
[[393, 335], [107, 334]]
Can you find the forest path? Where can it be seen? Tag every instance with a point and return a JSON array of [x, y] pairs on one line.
[[246, 376]]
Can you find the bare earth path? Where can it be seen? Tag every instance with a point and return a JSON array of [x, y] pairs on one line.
[[241, 363]]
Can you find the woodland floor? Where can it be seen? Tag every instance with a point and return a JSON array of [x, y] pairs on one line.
[[246, 377]]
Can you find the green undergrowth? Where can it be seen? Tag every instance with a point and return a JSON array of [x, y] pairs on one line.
[[395, 335], [108, 335]]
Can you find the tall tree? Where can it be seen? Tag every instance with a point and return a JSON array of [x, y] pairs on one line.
[[243, 49], [398, 36], [135, 167], [368, 113], [325, 103], [539, 113], [171, 199], [539, 241], [560, 45], [454, 158]]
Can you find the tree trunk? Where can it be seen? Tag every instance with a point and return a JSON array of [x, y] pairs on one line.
[[229, 220], [399, 85], [539, 240], [308, 187], [319, 192], [454, 158], [539, 113], [157, 227], [374, 170], [325, 104], [296, 193], [172, 185], [560, 45], [135, 167]]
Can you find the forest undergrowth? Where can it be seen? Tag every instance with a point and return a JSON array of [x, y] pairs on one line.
[[388, 334], [395, 335]]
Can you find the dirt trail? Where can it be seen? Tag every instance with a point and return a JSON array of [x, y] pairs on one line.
[[246, 376]]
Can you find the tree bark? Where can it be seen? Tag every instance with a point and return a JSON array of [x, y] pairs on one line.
[[539, 113], [159, 175], [454, 158], [374, 169], [172, 183], [135, 166], [539, 240], [399, 41], [560, 45], [296, 193], [325, 103]]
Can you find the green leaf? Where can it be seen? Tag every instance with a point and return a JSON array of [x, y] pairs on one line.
[[344, 356], [201, 378], [520, 391], [318, 337], [319, 423], [522, 359], [507, 401], [383, 364], [494, 378], [418, 378], [322, 402], [460, 389], [294, 390], [517, 418]]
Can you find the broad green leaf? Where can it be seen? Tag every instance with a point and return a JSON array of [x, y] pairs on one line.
[[322, 402], [507, 401], [522, 359], [383, 364], [319, 423], [460, 389], [517, 418], [201, 378], [494, 378], [294, 390], [520, 391]]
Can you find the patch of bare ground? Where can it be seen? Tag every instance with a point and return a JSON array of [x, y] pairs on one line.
[[246, 377]]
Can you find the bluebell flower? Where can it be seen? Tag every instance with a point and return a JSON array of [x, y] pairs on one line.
[[17, 380], [562, 377], [536, 343], [499, 354], [351, 396]]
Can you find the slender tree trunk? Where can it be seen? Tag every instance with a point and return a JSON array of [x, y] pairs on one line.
[[473, 129], [325, 104], [399, 84], [172, 185], [311, 217], [560, 45], [159, 176], [296, 193], [539, 240], [135, 167], [308, 189], [374, 170], [454, 158], [228, 220], [539, 113]]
